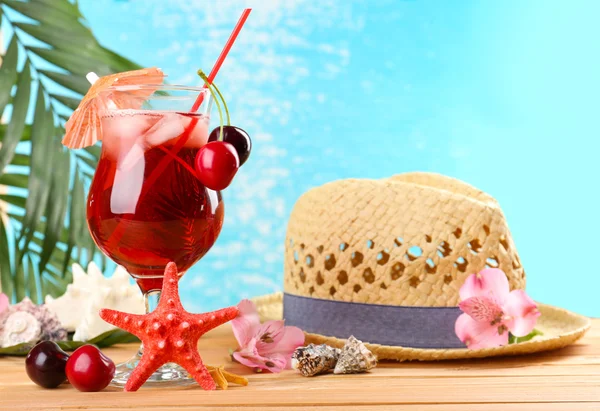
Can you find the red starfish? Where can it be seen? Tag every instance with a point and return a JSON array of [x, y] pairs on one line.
[[169, 334]]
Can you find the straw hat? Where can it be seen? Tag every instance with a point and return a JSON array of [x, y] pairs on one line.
[[384, 260]]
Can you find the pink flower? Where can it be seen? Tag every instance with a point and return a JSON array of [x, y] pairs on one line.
[[491, 311], [4, 303], [267, 346]]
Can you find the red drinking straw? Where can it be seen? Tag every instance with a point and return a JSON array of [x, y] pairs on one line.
[[222, 56], [213, 73], [117, 234]]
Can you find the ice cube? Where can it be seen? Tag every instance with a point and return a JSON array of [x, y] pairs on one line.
[[122, 128], [129, 124], [199, 134], [127, 184], [128, 159], [168, 128]]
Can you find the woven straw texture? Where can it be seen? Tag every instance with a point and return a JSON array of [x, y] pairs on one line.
[[411, 240], [560, 328]]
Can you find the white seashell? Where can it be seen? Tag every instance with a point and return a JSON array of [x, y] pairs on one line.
[[21, 327], [50, 327], [77, 292], [355, 358], [78, 308], [315, 359]]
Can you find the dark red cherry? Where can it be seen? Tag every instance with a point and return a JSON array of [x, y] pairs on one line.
[[45, 364], [237, 138], [88, 369], [216, 164]]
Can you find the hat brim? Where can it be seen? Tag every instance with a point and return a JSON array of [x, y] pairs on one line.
[[559, 327]]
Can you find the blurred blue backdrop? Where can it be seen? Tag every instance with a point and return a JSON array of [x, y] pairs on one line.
[[503, 95]]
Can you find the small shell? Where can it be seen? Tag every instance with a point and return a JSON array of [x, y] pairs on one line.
[[315, 359], [21, 327], [355, 358], [50, 328]]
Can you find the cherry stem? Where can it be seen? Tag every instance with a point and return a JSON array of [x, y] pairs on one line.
[[224, 103], [212, 93]]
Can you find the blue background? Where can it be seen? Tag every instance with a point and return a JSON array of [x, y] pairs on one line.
[[503, 95]]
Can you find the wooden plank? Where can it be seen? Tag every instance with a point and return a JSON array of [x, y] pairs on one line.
[[420, 407], [557, 380], [334, 390]]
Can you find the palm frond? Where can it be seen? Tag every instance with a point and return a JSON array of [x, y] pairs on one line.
[[42, 185]]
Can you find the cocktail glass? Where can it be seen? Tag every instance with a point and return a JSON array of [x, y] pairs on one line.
[[146, 207]]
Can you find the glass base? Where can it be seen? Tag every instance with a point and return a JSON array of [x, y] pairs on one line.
[[169, 375]]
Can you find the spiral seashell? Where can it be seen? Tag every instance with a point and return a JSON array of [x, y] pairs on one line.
[[49, 325], [355, 358], [315, 359], [21, 327]]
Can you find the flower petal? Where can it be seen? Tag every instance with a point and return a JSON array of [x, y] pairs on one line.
[[523, 312], [248, 309], [267, 346], [248, 354], [274, 363], [491, 283], [278, 362], [291, 338], [481, 308], [4, 303], [249, 360], [479, 334], [270, 332], [246, 323]]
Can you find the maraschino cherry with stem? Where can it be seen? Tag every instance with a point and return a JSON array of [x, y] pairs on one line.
[[228, 148], [233, 135]]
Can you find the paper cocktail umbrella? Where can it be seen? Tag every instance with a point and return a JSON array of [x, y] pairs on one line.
[[84, 129]]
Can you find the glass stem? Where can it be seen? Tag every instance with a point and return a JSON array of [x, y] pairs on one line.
[[151, 299]]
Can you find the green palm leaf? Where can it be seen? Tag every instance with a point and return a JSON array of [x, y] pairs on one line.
[[17, 120], [42, 198], [39, 172], [8, 74]]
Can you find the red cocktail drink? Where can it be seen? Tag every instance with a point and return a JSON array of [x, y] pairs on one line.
[[142, 224], [146, 206], [155, 194]]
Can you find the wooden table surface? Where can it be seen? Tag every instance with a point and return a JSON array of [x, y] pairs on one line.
[[567, 379]]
